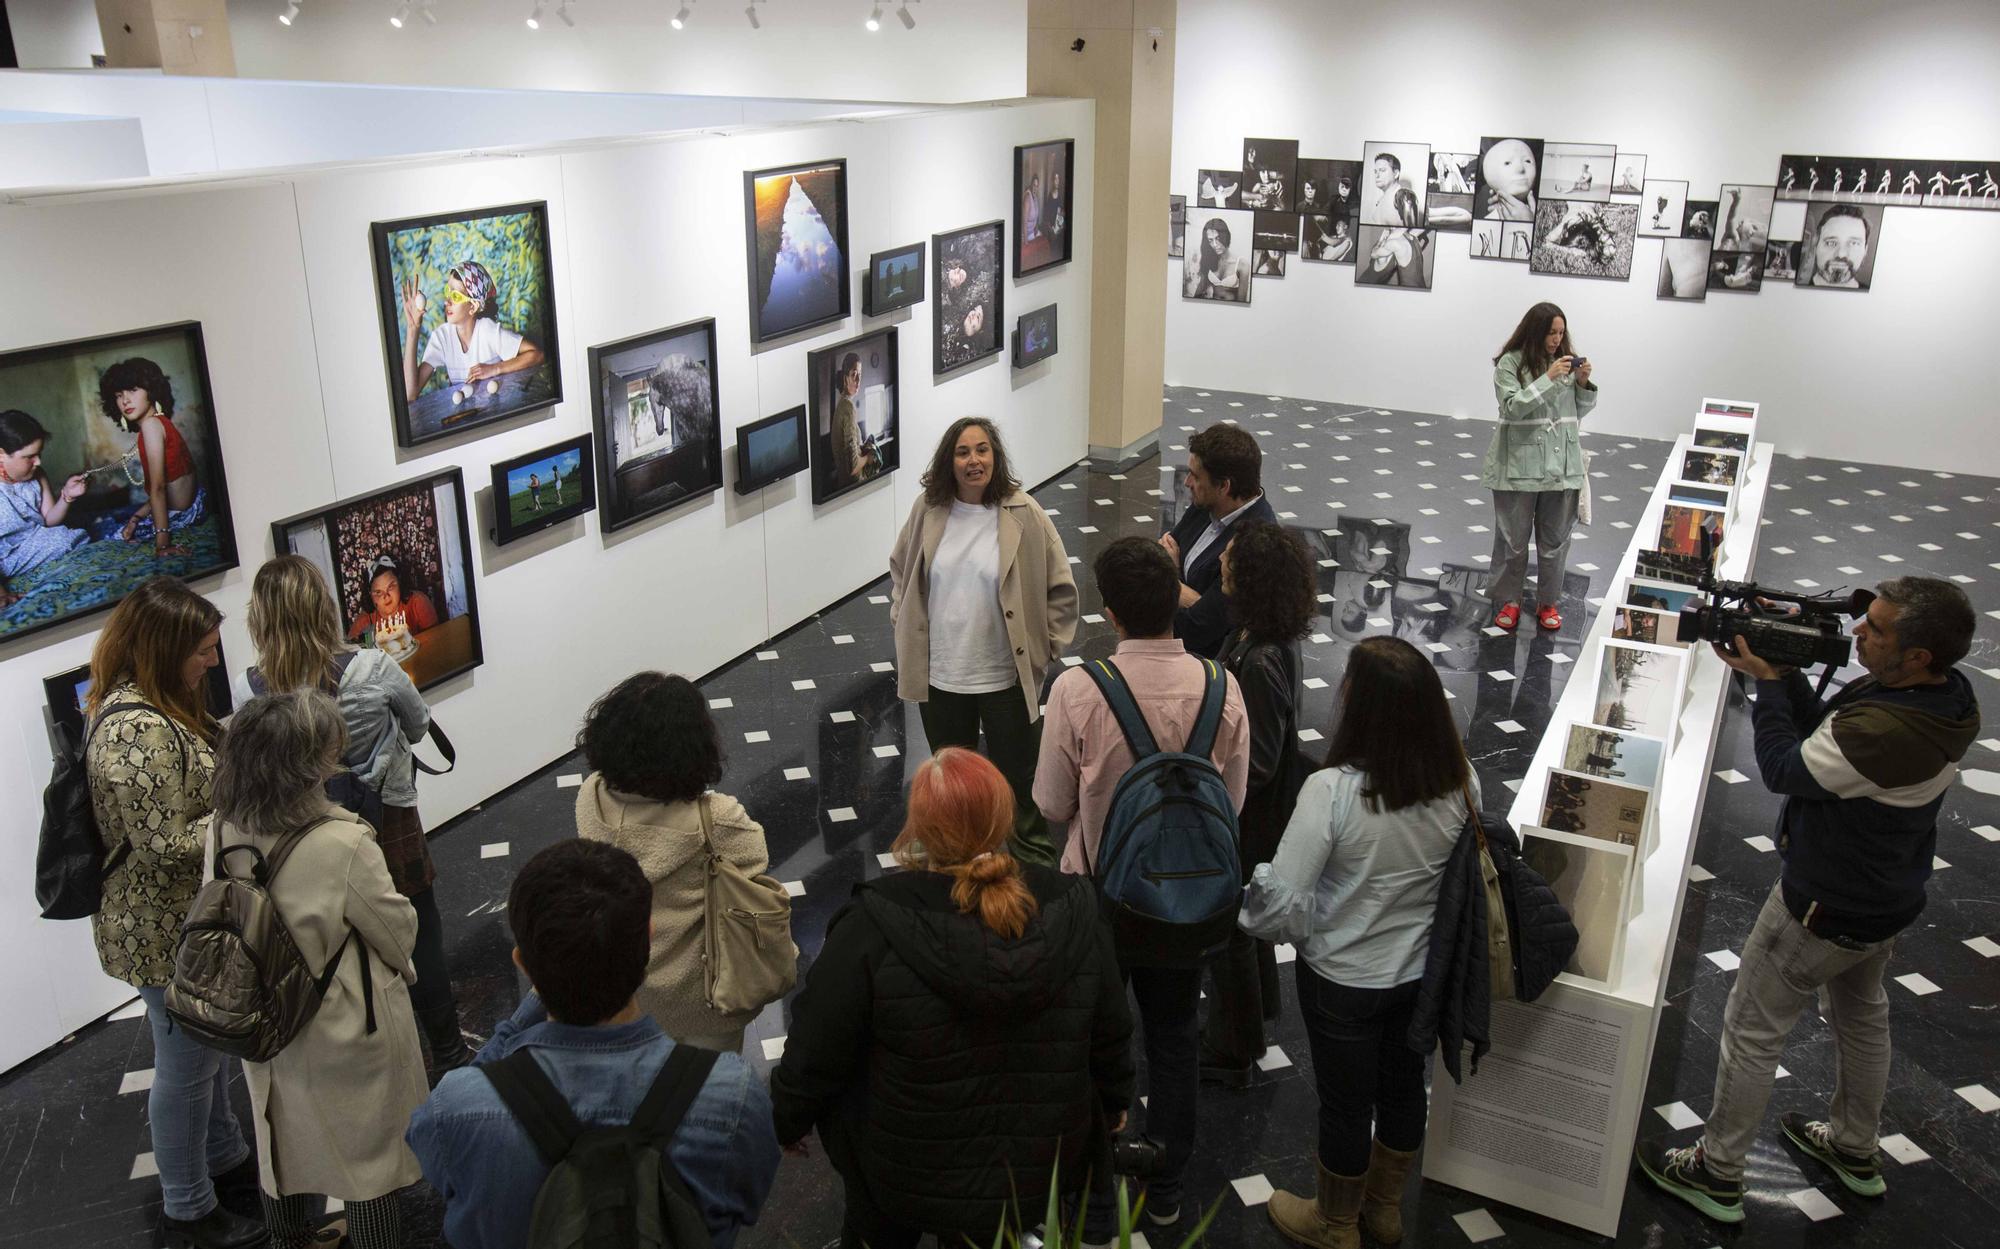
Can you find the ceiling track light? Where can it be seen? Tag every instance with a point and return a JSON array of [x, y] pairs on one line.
[[401, 15], [874, 21], [290, 15], [907, 18], [429, 15], [750, 14], [680, 19], [562, 11], [535, 17]]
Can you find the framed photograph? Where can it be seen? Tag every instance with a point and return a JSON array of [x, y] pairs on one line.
[[1683, 527], [1640, 624], [1396, 185], [1968, 184], [1270, 171], [770, 450], [1788, 221], [1593, 806], [1592, 879], [1670, 566], [1496, 239], [1743, 221], [1315, 193], [1270, 263], [1781, 261], [970, 296], [1698, 219], [1739, 409], [1639, 689], [795, 218], [1219, 188], [1631, 179], [1044, 184], [542, 488], [1176, 226], [855, 411], [1344, 177], [1632, 758], [1684, 269], [1035, 337], [1578, 171], [1740, 273], [1218, 261], [1838, 252], [1277, 232], [400, 564], [66, 692], [78, 527], [1658, 595], [1328, 240], [895, 280], [654, 409], [1712, 466], [1393, 256], [468, 318], [1449, 214], [1662, 208], [1452, 173], [1584, 239], [1503, 188]]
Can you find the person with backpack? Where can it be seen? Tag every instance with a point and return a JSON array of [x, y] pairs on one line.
[[530, 1138], [962, 1041], [1354, 884], [295, 627], [149, 762], [1163, 935], [331, 1105]]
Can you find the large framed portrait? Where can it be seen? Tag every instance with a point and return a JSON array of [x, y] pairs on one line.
[[400, 564], [855, 412], [545, 487], [85, 428], [1044, 194], [1839, 248], [655, 409], [968, 294], [1584, 239], [1217, 263], [468, 318], [1393, 256], [1396, 181], [796, 220], [1504, 180], [1270, 174]]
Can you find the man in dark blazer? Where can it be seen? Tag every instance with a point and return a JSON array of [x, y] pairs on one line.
[[1224, 486]]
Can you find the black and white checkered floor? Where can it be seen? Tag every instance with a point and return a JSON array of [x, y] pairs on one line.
[[819, 747]]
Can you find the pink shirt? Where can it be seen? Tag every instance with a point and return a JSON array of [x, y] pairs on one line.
[[1084, 755]]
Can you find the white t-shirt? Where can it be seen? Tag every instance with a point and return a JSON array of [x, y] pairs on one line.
[[970, 653], [492, 343]]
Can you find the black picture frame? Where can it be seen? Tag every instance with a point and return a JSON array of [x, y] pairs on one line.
[[767, 233], [65, 692], [977, 248], [99, 567], [878, 358], [442, 657], [655, 479], [458, 408], [506, 526], [1029, 348], [1059, 234], [909, 291], [796, 458]]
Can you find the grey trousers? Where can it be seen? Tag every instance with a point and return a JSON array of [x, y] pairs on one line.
[[1784, 967], [1547, 515]]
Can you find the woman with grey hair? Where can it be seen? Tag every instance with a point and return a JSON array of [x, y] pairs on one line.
[[331, 1107]]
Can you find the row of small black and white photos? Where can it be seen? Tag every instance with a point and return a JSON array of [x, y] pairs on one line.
[[1889, 181]]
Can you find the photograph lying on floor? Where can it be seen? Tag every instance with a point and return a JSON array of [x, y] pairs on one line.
[[1581, 239], [400, 564], [1740, 273], [1176, 226], [1395, 183], [796, 220], [852, 405], [1592, 880], [542, 488], [1684, 269], [110, 473], [468, 318], [1503, 240], [1838, 252], [1392, 256], [895, 280], [1035, 337], [1684, 528], [1638, 689], [1219, 188], [1632, 758], [770, 450], [1662, 208], [1577, 171], [1714, 466], [1503, 187], [1743, 221], [1631, 178], [1593, 806], [1329, 240], [968, 297], [1270, 167], [654, 407], [1044, 177], [1698, 220], [1217, 264], [65, 693]]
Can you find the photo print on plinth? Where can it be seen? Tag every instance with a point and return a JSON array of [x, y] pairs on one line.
[[1315, 192], [1176, 226], [1584, 239], [1504, 181], [1393, 256], [1592, 881], [542, 488], [1659, 595], [1630, 181], [967, 296], [1640, 624], [1715, 433], [468, 311], [1712, 467], [1638, 689], [1838, 252], [654, 411], [1269, 262], [853, 410], [1698, 221], [1270, 171], [1577, 171], [1503, 240], [1329, 240], [399, 562], [1394, 183], [795, 218], [1695, 495], [1218, 261], [1277, 232], [1683, 527], [1594, 806], [895, 280], [1684, 269], [1219, 188], [1633, 758], [1663, 208], [1044, 186]]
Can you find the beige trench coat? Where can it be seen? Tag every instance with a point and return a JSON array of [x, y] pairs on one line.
[[331, 1108], [1037, 593]]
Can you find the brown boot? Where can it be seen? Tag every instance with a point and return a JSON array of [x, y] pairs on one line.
[[1382, 1198], [1331, 1222]]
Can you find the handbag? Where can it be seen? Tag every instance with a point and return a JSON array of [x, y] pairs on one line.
[[1499, 937], [748, 956]]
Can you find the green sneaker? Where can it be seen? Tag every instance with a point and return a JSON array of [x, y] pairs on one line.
[[1684, 1173], [1863, 1176]]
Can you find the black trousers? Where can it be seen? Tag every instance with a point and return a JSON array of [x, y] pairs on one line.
[[431, 997], [1013, 743], [1242, 998], [1368, 1076]]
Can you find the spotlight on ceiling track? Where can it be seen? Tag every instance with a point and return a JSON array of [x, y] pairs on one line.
[[874, 21], [290, 15], [680, 19], [401, 15], [904, 16], [750, 14], [430, 17], [535, 18], [562, 11]]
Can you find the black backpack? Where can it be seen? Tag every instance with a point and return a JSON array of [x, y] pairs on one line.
[[345, 788], [70, 859], [608, 1187]]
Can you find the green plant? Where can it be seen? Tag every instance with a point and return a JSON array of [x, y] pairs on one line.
[[1014, 1234]]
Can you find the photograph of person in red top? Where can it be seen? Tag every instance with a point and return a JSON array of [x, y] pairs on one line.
[[137, 395], [387, 592]]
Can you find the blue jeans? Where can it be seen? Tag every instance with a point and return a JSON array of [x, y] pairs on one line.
[[195, 1133], [1169, 1001], [1369, 1079]]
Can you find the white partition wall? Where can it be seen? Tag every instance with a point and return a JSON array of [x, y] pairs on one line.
[[645, 234]]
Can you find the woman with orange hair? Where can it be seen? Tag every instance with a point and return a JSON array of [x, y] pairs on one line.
[[963, 1035]]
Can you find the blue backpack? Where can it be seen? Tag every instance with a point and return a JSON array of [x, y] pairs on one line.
[[1167, 873]]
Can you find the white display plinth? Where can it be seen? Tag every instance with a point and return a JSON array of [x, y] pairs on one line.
[[1548, 1123]]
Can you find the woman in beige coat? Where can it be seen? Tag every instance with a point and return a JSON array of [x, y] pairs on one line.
[[331, 1108], [653, 753], [982, 601]]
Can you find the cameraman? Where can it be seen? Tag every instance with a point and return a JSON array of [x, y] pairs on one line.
[[1863, 775]]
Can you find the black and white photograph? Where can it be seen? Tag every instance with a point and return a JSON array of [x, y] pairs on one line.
[[1663, 208], [1698, 222], [1270, 171], [1393, 256], [655, 406], [1584, 239], [1739, 273], [1577, 171], [1344, 177], [1503, 240], [1395, 180], [1630, 180], [1505, 179], [1632, 758], [1684, 269], [1743, 217], [1713, 466], [1313, 192], [1270, 263], [853, 413], [1969, 184], [1176, 226], [1277, 232], [968, 297], [1449, 213], [1329, 240], [1838, 252], [1217, 265], [1035, 336], [1591, 879], [1219, 188], [1595, 807], [1638, 689], [1452, 173]]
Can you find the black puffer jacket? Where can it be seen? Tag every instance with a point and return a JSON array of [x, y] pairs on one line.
[[947, 1068]]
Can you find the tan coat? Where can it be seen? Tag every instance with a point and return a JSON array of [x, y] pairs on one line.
[[331, 1108], [1037, 593], [666, 839]]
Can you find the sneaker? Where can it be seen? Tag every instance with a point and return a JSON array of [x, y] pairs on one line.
[[1684, 1173], [1863, 1176], [1163, 1213]]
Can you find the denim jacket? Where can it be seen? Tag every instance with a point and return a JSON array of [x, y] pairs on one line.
[[482, 1163]]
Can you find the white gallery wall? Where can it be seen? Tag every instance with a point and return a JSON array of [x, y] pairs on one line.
[[55, 34], [645, 235], [1710, 91]]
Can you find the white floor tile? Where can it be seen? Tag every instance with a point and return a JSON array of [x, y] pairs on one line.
[[143, 1167], [798, 774], [1274, 1059], [494, 850], [807, 684], [1817, 1205], [1678, 1116], [774, 1048], [1478, 1225], [1727, 960], [1502, 676], [1903, 1149], [1696, 872], [569, 780], [136, 1082], [757, 735], [134, 1009], [1983, 946], [1760, 843], [840, 815], [1981, 1098], [887, 752], [766, 656], [721, 704], [1284, 952], [882, 666], [1730, 776], [1314, 683], [1510, 726], [1253, 1190], [887, 860], [795, 888], [842, 717], [843, 639], [880, 600], [1310, 735], [1916, 983]]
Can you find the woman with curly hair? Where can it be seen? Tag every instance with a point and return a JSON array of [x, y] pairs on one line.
[[1267, 576], [139, 398]]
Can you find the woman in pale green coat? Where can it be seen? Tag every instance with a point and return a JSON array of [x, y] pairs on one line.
[[1534, 466]]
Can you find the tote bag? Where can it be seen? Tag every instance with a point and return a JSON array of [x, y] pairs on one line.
[[748, 956]]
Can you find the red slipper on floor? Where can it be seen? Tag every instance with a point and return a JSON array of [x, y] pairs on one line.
[[1549, 616], [1507, 617]]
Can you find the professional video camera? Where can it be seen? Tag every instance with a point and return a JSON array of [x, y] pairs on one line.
[[1813, 634]]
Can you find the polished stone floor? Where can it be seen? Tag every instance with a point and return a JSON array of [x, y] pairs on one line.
[[819, 747]]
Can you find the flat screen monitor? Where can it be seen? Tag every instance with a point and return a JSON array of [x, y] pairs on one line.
[[770, 450], [66, 692]]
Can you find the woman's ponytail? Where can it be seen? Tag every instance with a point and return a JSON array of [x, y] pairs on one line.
[[961, 812]]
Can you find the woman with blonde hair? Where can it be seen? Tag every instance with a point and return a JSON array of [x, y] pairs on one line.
[[963, 1035], [295, 627]]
